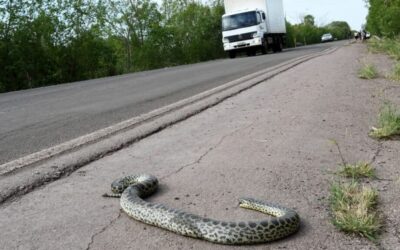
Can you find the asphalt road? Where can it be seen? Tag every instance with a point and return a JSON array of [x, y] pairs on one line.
[[270, 142], [32, 120]]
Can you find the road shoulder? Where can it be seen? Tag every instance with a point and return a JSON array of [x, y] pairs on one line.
[[270, 142]]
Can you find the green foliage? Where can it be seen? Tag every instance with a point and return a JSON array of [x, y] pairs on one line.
[[388, 122], [339, 29], [309, 20], [290, 35], [353, 209], [50, 42], [396, 72], [390, 46], [368, 71], [386, 45], [357, 171], [383, 17], [307, 33]]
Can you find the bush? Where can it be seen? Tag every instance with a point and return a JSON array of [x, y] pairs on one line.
[[368, 71]]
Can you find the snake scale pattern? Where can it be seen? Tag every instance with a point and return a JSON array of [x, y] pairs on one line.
[[131, 190]]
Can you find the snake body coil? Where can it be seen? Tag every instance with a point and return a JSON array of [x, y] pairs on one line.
[[133, 188]]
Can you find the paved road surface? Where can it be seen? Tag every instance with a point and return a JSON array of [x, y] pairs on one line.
[[36, 119], [270, 142]]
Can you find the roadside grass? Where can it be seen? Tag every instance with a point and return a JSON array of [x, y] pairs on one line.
[[390, 47], [357, 171], [385, 45], [368, 71], [388, 122], [353, 209], [354, 206], [396, 72]]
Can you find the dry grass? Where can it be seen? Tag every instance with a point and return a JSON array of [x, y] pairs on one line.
[[353, 209], [390, 47], [385, 45], [396, 72], [388, 122], [368, 71], [357, 171]]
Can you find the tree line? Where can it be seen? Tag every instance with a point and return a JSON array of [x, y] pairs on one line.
[[383, 17], [307, 32], [46, 42]]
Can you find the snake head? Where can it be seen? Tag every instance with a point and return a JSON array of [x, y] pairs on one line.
[[245, 202], [118, 186]]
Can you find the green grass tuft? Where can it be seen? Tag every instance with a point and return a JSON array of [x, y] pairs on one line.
[[388, 122], [353, 209], [357, 171], [368, 71]]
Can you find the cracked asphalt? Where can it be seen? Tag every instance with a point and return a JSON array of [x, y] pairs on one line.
[[270, 142]]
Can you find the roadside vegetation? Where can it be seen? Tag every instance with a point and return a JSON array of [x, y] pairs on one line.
[[49, 42], [368, 71], [357, 171], [383, 18], [396, 72], [353, 208], [307, 32], [354, 205], [383, 21], [388, 122], [391, 47]]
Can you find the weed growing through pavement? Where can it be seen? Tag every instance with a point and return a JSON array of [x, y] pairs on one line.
[[354, 209], [357, 171], [388, 122], [368, 71], [353, 206]]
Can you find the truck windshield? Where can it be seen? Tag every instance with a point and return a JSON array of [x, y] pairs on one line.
[[239, 21]]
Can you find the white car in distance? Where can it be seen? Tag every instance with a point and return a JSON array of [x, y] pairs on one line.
[[327, 37]]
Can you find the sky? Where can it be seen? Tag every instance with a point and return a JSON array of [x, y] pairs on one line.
[[353, 12]]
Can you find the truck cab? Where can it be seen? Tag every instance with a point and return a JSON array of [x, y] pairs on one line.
[[253, 25], [243, 30]]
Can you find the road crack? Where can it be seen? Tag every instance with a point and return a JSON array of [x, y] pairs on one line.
[[377, 151], [103, 230], [221, 140]]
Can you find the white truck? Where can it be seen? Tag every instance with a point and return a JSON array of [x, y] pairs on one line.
[[252, 25]]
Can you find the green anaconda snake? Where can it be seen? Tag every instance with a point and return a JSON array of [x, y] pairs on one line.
[[133, 188]]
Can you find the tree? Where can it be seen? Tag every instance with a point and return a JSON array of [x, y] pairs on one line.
[[45, 42], [290, 35], [339, 29], [309, 20], [383, 17]]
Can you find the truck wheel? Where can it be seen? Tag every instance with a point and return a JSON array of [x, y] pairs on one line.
[[232, 54], [274, 47], [277, 46], [264, 48]]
